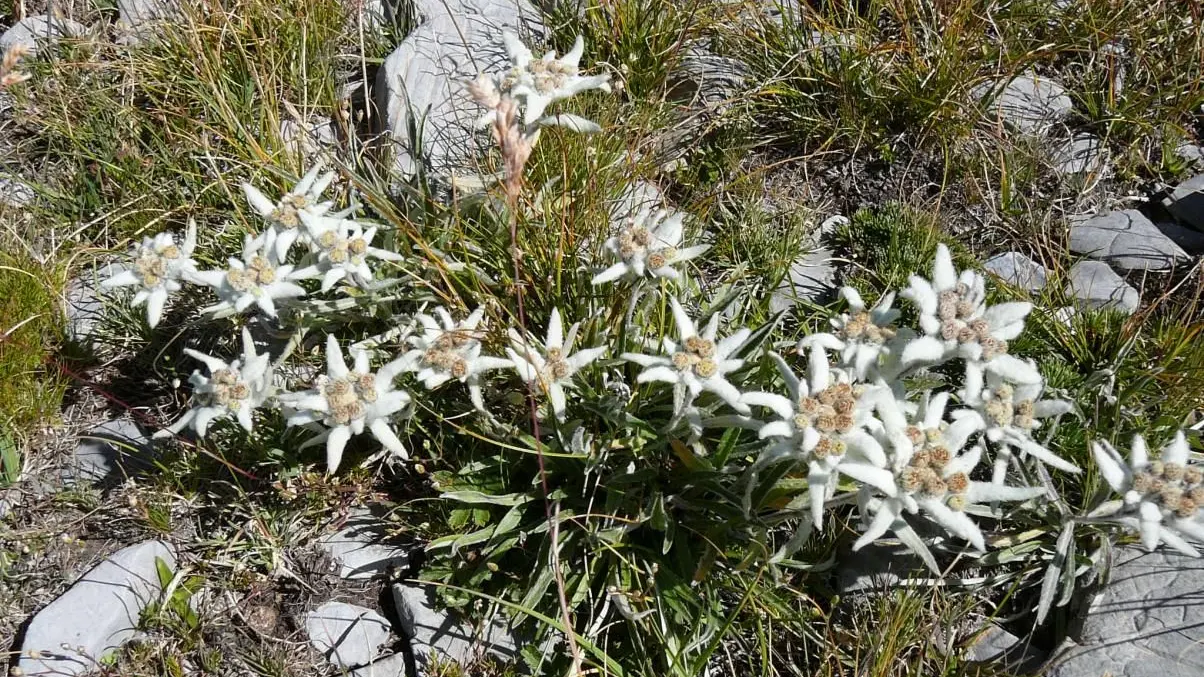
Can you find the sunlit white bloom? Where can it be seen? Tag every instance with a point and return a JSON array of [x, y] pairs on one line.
[[343, 248], [957, 323], [285, 214], [539, 82], [823, 423], [231, 389], [444, 350], [1010, 414], [863, 337], [648, 245], [348, 402], [698, 363], [1161, 499], [159, 266], [931, 469], [552, 364], [256, 279]]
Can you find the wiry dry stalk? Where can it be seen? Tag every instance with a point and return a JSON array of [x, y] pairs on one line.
[[9, 75]]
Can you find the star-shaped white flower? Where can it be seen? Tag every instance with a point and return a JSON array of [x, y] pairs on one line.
[[159, 266], [648, 246], [348, 402], [552, 364], [445, 350], [285, 214], [539, 82], [699, 363], [932, 475], [957, 323], [1161, 499], [863, 337], [823, 423], [256, 279], [232, 389], [344, 247]]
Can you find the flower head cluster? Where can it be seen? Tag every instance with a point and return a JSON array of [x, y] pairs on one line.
[[158, 268], [258, 278], [649, 244], [286, 214], [343, 248], [445, 349], [553, 364], [231, 389], [864, 337]]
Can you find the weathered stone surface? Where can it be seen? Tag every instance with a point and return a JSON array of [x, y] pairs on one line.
[[1192, 241], [812, 277], [878, 567], [995, 645], [1029, 103], [703, 78], [440, 634], [389, 666], [1098, 286], [97, 614], [1126, 239], [1148, 622], [635, 196], [84, 301], [140, 15], [1190, 153], [1083, 154], [16, 193], [347, 635], [110, 452], [422, 83], [34, 32], [1186, 202], [310, 140], [1018, 270], [360, 549]]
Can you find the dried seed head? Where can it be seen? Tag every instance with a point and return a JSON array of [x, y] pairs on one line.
[[950, 329], [1173, 472], [1186, 507], [459, 368], [1192, 475], [1170, 495], [844, 423], [657, 260], [683, 360], [911, 479]]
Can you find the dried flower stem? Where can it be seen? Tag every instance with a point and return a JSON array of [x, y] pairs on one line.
[[9, 75]]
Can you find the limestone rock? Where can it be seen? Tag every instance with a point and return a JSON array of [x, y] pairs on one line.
[[441, 634], [993, 644], [16, 193], [110, 452], [84, 301], [421, 85], [389, 666], [34, 32], [309, 141], [1186, 202], [1029, 103], [706, 79], [812, 277], [360, 549], [1192, 241], [97, 614], [139, 15], [1190, 153], [1148, 622], [347, 635], [1125, 239], [1018, 270], [1083, 154], [1098, 286]]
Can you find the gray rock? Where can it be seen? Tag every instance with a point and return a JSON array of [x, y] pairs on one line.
[[1190, 153], [1186, 202], [16, 193], [1029, 103], [422, 83], [109, 453], [812, 277], [1148, 622], [993, 644], [84, 302], [1098, 286], [347, 635], [1192, 241], [389, 666], [706, 79], [1126, 239], [309, 141], [635, 196], [96, 615], [360, 549], [138, 19], [1018, 270], [1082, 154], [878, 567], [35, 32], [442, 635]]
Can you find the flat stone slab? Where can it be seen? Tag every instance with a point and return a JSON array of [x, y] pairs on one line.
[[443, 635], [360, 547], [110, 452], [1082, 154], [97, 614], [1125, 239], [1017, 270], [16, 193], [347, 635], [1029, 103], [35, 32], [84, 301], [1096, 285], [1148, 622], [1186, 202], [389, 666], [812, 277]]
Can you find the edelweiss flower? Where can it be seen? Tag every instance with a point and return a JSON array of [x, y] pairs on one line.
[[257, 279], [1160, 497], [553, 364], [699, 363], [348, 401], [446, 350], [537, 83], [233, 389], [648, 245], [1011, 413], [863, 337], [823, 423], [932, 475], [957, 322], [285, 215], [159, 265], [343, 248]]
